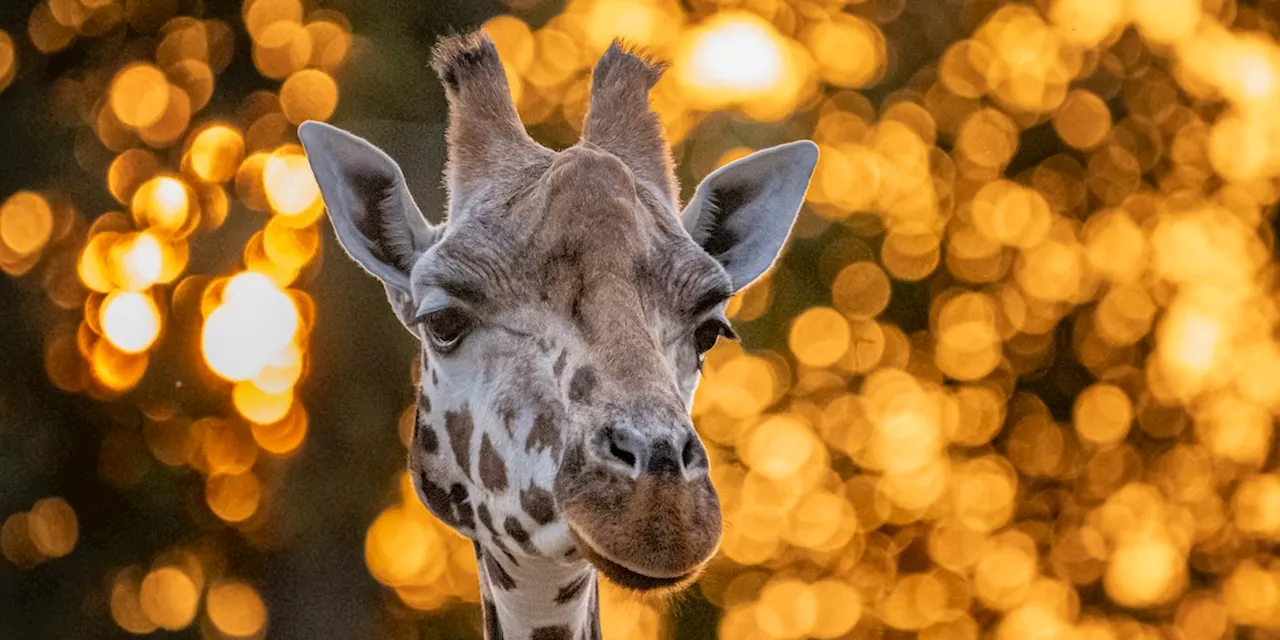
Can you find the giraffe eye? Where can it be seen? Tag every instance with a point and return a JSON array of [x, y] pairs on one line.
[[705, 336], [447, 327]]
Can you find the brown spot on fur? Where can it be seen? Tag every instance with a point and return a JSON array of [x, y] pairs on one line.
[[543, 434], [538, 503], [462, 506], [551, 633], [425, 435], [493, 472], [509, 421], [576, 314], [437, 499], [459, 426], [570, 591], [573, 461], [582, 384], [497, 575], [516, 532], [486, 518], [558, 369], [434, 379]]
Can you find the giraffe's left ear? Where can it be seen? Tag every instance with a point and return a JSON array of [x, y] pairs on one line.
[[742, 212], [373, 214]]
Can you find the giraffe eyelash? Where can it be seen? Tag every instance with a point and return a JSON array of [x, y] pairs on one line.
[[707, 334], [446, 328]]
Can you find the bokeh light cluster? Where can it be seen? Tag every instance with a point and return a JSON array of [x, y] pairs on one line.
[[49, 530], [168, 596], [881, 479], [1017, 376], [176, 172]]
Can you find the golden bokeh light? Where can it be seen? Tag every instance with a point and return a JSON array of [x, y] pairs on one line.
[[15, 541], [254, 323], [168, 598], [126, 605], [47, 33], [8, 60], [1102, 414], [787, 609], [136, 263], [733, 58], [53, 527], [820, 336], [261, 15], [290, 186], [399, 548], [235, 608], [139, 95], [1083, 120], [130, 321], [26, 223], [128, 171], [310, 94], [261, 407], [172, 123], [284, 437], [163, 203], [216, 153], [233, 497], [330, 42], [1165, 21], [861, 290], [850, 50], [1257, 506], [1145, 572]]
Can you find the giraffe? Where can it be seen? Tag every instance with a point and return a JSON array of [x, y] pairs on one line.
[[564, 308]]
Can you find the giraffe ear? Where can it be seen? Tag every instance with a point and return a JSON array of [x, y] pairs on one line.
[[373, 214], [742, 212]]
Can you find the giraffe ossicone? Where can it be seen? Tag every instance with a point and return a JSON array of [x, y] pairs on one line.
[[564, 307]]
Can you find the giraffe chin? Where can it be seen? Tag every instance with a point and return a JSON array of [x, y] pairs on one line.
[[630, 579]]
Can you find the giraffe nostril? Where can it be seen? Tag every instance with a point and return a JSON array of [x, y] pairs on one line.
[[691, 453], [622, 454], [664, 455], [624, 447]]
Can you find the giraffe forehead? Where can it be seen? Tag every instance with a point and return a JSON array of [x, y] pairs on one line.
[[590, 216], [616, 251]]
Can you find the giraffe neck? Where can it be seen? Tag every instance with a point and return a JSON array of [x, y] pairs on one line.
[[537, 599]]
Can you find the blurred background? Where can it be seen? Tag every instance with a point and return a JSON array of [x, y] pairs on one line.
[[1016, 375]]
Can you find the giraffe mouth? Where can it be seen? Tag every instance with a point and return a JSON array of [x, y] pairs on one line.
[[629, 578]]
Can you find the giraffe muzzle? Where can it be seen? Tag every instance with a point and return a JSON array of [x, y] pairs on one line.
[[641, 505]]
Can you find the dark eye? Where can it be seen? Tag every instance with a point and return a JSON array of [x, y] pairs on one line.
[[705, 336], [447, 327]]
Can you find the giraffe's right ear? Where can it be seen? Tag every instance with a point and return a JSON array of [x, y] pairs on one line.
[[373, 214]]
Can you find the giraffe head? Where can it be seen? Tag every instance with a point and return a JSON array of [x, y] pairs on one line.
[[564, 309]]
